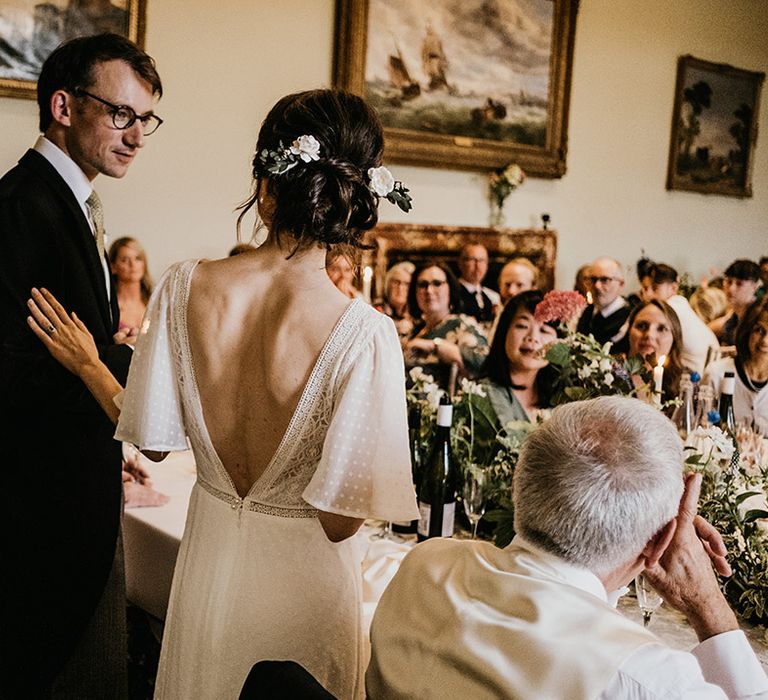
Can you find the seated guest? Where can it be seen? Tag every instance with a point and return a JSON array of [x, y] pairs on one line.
[[133, 283], [654, 330], [476, 301], [518, 275], [605, 317], [515, 384], [395, 301], [441, 337], [709, 303], [339, 266], [599, 497], [661, 283], [137, 485], [641, 266], [742, 279], [581, 281], [764, 270], [750, 395]]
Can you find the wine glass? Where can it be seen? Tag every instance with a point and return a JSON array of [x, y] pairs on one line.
[[647, 598], [385, 532], [473, 495]]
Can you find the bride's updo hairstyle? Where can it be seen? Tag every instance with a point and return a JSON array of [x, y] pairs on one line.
[[325, 201]]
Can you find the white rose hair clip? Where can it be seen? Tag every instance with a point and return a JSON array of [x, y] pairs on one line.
[[383, 183], [306, 148]]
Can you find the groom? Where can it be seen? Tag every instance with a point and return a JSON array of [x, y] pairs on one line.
[[62, 591]]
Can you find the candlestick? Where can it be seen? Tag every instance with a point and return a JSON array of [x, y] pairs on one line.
[[658, 378], [367, 278]]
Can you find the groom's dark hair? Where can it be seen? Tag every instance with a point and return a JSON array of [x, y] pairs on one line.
[[70, 68]]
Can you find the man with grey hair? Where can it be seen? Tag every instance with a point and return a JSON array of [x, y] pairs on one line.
[[599, 497], [605, 318]]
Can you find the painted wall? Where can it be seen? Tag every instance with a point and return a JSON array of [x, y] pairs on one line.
[[224, 64]]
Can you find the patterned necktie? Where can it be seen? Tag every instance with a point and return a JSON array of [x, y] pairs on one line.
[[479, 298], [97, 216]]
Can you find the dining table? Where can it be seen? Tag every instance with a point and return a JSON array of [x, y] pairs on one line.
[[151, 537]]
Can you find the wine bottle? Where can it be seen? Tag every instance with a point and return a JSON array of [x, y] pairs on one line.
[[414, 437], [725, 408], [437, 492]]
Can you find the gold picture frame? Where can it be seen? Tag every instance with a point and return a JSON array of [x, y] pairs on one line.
[[434, 120], [714, 128], [393, 243], [31, 30]]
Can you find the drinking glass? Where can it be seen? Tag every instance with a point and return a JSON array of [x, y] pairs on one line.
[[647, 598], [473, 495]]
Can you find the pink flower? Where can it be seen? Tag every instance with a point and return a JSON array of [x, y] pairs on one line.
[[559, 306]]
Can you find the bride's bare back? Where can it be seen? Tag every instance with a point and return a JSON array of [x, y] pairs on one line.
[[257, 324]]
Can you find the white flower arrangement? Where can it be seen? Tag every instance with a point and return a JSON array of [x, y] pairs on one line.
[[306, 147]]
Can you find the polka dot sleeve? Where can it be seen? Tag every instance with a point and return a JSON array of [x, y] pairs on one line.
[[151, 413], [365, 468]]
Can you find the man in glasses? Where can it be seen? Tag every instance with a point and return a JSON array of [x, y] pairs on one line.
[[62, 593], [476, 300], [606, 316]]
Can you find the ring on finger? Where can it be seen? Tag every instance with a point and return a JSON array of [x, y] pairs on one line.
[[51, 329]]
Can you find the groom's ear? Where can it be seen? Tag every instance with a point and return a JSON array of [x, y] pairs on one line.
[[657, 545]]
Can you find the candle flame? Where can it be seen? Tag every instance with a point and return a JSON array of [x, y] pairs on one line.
[[368, 272], [589, 297], [661, 361]]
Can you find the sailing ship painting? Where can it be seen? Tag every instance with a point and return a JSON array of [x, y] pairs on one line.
[[30, 30], [474, 68]]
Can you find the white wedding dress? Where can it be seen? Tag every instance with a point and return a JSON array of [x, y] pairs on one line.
[[256, 578]]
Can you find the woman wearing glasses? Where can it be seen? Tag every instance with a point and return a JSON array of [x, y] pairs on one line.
[[440, 337]]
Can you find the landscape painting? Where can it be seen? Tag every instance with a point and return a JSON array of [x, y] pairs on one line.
[[464, 83], [714, 128], [30, 31]]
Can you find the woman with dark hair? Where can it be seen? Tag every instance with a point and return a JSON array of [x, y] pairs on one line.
[[517, 380], [741, 281], [750, 395], [654, 331], [292, 398], [128, 264], [441, 337]]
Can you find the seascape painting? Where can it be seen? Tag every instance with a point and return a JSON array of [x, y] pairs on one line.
[[471, 84], [30, 31], [462, 67], [714, 128]]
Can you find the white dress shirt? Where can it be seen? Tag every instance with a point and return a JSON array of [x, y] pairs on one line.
[[464, 619], [697, 336], [76, 180]]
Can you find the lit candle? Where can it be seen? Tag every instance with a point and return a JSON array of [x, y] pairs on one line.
[[367, 277], [658, 377]]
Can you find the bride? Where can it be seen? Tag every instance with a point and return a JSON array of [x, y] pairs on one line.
[[293, 400]]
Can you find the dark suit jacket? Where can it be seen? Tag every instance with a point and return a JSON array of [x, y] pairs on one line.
[[60, 466], [470, 307], [603, 328]]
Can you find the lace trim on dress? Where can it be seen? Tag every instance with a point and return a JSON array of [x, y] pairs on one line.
[[257, 507]]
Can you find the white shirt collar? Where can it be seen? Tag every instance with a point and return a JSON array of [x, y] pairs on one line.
[[70, 172], [618, 303], [474, 288], [576, 576]]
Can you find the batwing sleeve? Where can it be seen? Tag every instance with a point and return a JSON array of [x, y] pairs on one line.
[[365, 467], [151, 415]]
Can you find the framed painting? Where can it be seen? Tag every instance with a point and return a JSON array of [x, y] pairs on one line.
[[714, 128], [30, 31], [472, 85]]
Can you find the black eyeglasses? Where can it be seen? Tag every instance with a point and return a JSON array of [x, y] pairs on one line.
[[602, 280], [425, 284], [124, 117]]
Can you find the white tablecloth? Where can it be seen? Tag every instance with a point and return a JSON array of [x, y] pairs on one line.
[[152, 536]]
